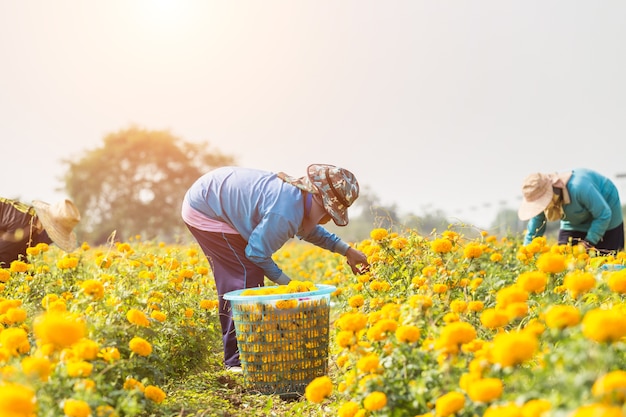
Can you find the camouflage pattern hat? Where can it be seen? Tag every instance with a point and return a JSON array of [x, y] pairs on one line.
[[337, 186]]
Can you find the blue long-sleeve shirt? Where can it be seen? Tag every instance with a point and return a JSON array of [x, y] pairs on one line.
[[265, 210], [594, 207]]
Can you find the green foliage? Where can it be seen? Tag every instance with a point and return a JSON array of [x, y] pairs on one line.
[[135, 182]]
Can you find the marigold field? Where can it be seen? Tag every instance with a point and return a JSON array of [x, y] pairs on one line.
[[441, 325]]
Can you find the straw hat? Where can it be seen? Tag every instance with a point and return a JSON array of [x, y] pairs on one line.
[[537, 193], [58, 221], [338, 187]]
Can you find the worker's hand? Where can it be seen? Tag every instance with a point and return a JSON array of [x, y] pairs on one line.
[[357, 261]]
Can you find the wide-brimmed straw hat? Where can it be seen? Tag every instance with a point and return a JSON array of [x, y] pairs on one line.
[[337, 186], [537, 193], [59, 220]]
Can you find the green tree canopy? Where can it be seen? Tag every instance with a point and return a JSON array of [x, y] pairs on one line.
[[134, 184]]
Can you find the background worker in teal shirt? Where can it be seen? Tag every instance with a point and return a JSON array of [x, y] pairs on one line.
[[242, 216], [585, 202]]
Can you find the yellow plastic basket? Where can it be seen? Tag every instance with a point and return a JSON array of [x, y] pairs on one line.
[[282, 339]]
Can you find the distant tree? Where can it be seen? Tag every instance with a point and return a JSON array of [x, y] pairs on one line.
[[135, 183]]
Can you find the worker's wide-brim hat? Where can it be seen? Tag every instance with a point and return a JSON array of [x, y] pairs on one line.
[[536, 193], [337, 186], [59, 220]]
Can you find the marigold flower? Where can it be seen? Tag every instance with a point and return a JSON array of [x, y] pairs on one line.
[[158, 316], [356, 301], [140, 346], [14, 315], [598, 409], [616, 281], [505, 410], [610, 387], [579, 282], [495, 257], [76, 408], [14, 340], [475, 306], [455, 334], [485, 390], [604, 325], [109, 354], [562, 316], [472, 251], [375, 401], [441, 245], [17, 400], [407, 334], [352, 321], [533, 281], [378, 234], [5, 275], [510, 295], [79, 369], [348, 409], [420, 302], [368, 364], [131, 384], [86, 349], [67, 263], [345, 338], [38, 366], [513, 348], [137, 317], [18, 266], [550, 262], [535, 408], [93, 288], [318, 389], [59, 328], [493, 318], [154, 393], [449, 404]]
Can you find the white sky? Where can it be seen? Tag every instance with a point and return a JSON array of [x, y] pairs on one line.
[[432, 104]]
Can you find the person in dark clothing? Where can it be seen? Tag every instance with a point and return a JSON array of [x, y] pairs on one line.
[[23, 226]]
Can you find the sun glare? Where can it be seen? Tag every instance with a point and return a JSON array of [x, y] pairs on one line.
[[162, 15]]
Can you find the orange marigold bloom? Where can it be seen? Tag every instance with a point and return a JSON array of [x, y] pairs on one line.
[[407, 334], [449, 404], [318, 389], [604, 325], [18, 266], [140, 346], [598, 409], [616, 281], [533, 281], [485, 390], [472, 251], [494, 318], [352, 321], [509, 349], [610, 386], [579, 282], [17, 400], [375, 401], [76, 408], [369, 363], [348, 409], [137, 317], [562, 316], [510, 295], [441, 245], [378, 234], [15, 340], [550, 262], [356, 301], [154, 393]]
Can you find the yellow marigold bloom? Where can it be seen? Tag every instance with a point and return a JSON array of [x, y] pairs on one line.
[[375, 401], [616, 281], [208, 304], [441, 245], [475, 306], [604, 325], [407, 334], [610, 387], [506, 410], [67, 263], [455, 334], [131, 384], [158, 316], [286, 304], [379, 286], [440, 288], [109, 354], [485, 390], [513, 348], [79, 369], [472, 251], [356, 301], [93, 288], [533, 281], [535, 408], [86, 349], [137, 317], [562, 316], [14, 340], [399, 243], [140, 346], [495, 257], [579, 282], [154, 393], [15, 315], [475, 283], [509, 295], [352, 321], [5, 275], [458, 306], [493, 318], [378, 234], [17, 400], [18, 266], [318, 389], [598, 409], [348, 409], [76, 408], [106, 411], [345, 338], [368, 363], [551, 262], [449, 404], [37, 366]]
